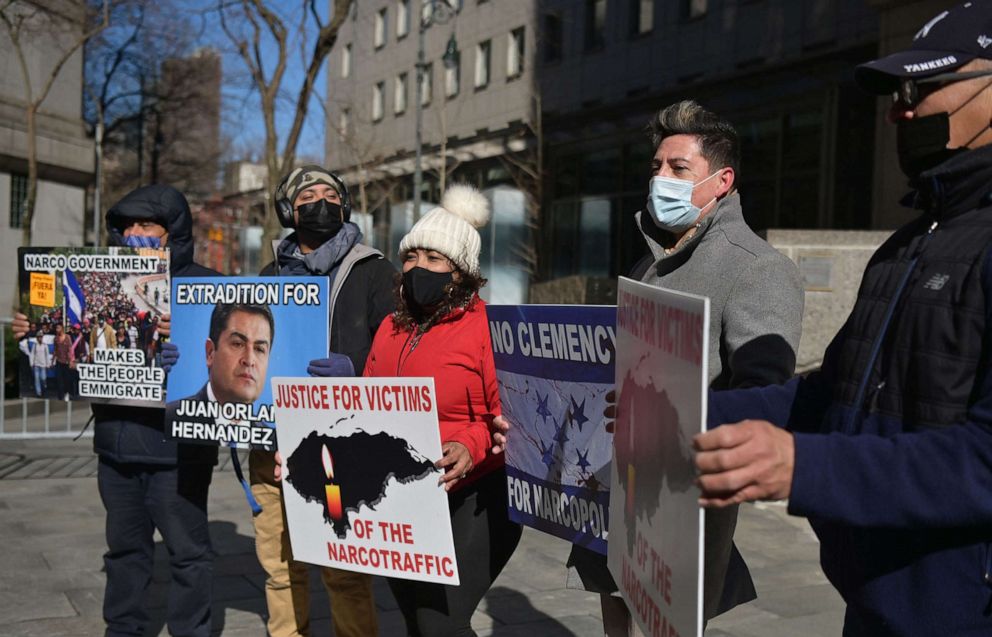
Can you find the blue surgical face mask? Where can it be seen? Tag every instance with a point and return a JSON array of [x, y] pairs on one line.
[[670, 203], [134, 241]]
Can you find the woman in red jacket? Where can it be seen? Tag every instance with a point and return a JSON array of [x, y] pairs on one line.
[[439, 329]]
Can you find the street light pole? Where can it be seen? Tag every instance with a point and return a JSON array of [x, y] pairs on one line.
[[438, 11], [418, 174]]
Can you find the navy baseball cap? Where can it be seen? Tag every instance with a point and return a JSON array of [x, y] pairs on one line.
[[949, 40]]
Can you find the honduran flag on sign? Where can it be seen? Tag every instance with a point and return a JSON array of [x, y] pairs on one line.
[[75, 302]]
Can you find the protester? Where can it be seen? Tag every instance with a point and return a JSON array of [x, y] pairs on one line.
[[888, 448], [700, 243], [63, 359], [315, 203], [103, 337], [439, 330], [40, 359], [147, 482]]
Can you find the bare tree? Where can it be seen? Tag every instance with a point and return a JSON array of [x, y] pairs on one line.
[[154, 107], [247, 23], [24, 20], [526, 168]]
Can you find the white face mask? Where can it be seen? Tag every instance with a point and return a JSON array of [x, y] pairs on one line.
[[670, 203]]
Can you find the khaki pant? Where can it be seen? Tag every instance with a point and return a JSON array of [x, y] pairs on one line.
[[287, 585]]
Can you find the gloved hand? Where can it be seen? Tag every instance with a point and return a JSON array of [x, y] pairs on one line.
[[170, 355], [335, 365]]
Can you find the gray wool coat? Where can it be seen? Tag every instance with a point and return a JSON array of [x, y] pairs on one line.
[[756, 311], [755, 292]]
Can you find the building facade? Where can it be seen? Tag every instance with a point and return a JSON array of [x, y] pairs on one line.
[[478, 108], [64, 152], [573, 99]]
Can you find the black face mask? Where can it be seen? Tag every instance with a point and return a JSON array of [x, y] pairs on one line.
[[922, 143], [320, 220], [423, 289]]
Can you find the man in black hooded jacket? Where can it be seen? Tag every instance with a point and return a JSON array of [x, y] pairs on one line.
[[146, 481]]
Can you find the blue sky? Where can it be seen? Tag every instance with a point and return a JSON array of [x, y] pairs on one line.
[[241, 118]]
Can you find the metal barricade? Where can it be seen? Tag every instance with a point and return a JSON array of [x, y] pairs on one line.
[[38, 418]]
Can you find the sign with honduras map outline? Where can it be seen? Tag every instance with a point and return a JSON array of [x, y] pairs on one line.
[[360, 489], [555, 365], [656, 548]]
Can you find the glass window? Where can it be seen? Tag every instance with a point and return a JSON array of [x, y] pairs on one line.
[[378, 100], [426, 84], [451, 79], [595, 237], [344, 122], [483, 51], [515, 53], [601, 171], [402, 18], [641, 16], [399, 94], [694, 8], [346, 61], [18, 199], [552, 47], [595, 24], [379, 29]]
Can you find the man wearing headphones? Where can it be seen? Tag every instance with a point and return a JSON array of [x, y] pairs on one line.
[[314, 202]]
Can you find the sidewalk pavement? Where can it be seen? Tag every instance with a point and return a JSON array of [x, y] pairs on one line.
[[51, 582]]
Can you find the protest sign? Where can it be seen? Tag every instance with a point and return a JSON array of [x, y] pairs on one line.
[[232, 334], [106, 303], [656, 547], [361, 490], [555, 365]]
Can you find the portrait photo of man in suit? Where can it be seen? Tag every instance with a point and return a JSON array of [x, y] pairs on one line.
[[237, 356]]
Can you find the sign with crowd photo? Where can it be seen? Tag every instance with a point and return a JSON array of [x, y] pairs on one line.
[[360, 488], [656, 547], [233, 333], [94, 316], [555, 365]]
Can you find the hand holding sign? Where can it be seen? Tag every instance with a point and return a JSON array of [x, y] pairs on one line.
[[750, 460], [456, 460], [501, 427], [170, 356], [19, 326]]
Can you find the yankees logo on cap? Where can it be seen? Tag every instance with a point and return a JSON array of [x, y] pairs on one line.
[[946, 42]]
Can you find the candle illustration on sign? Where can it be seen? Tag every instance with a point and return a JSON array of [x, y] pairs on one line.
[[331, 490]]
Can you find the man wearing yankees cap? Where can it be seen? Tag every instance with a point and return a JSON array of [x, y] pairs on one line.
[[887, 450]]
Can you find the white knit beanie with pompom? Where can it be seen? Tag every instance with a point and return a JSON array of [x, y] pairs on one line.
[[451, 228]]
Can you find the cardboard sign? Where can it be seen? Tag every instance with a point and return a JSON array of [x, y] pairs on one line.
[[656, 547], [555, 365], [361, 491], [108, 302], [42, 289], [265, 326]]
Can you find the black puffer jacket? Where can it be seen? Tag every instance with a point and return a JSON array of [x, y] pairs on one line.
[[135, 434]]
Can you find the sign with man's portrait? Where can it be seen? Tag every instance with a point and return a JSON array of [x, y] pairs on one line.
[[233, 334]]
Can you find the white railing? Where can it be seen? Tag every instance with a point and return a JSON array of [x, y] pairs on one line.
[[36, 418]]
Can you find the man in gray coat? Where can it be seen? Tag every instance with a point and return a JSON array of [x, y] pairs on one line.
[[699, 243]]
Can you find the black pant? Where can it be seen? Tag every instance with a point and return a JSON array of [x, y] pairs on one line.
[[63, 379], [485, 538], [140, 498]]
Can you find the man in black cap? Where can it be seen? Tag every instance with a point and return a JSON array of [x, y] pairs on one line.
[[888, 448]]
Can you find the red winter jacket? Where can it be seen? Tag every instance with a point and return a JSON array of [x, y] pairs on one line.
[[457, 353]]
